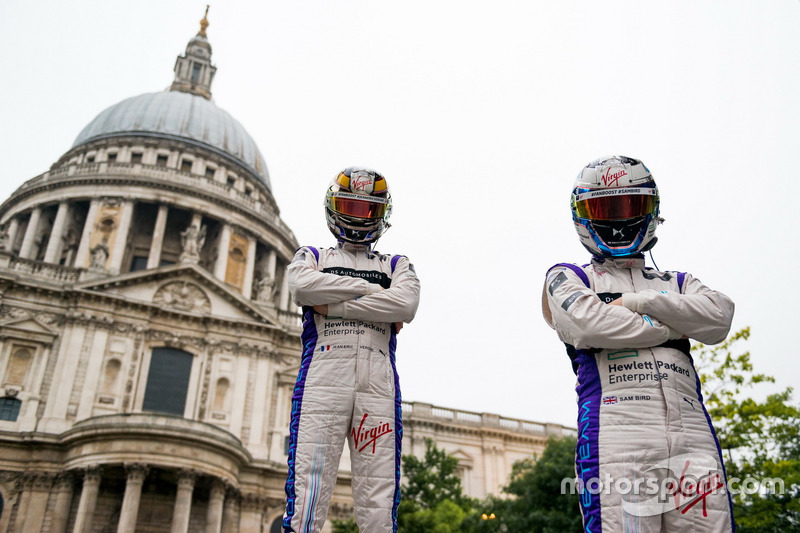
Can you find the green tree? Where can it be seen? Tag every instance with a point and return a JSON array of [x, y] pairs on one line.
[[536, 501], [432, 497], [760, 439]]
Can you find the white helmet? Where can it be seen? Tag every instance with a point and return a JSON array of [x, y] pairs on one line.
[[358, 205], [615, 207]]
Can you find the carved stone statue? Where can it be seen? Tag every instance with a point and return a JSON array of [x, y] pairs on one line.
[[265, 289], [183, 296], [192, 239], [99, 256]]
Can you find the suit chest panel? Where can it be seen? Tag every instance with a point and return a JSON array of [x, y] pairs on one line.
[[370, 267], [611, 283]]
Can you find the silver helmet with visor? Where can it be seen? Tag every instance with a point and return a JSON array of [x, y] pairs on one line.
[[358, 205], [615, 207]]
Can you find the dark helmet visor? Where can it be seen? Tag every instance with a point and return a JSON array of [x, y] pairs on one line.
[[357, 205], [615, 204]]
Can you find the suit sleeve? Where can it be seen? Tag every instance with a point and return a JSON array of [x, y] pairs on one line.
[[581, 319], [398, 303], [699, 312], [309, 286]]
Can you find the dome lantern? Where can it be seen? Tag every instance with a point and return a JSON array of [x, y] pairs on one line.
[[193, 70]]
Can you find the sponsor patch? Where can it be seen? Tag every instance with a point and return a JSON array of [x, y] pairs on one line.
[[570, 299], [556, 283]]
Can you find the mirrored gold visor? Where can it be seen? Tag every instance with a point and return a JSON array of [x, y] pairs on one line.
[[355, 205], [616, 204]]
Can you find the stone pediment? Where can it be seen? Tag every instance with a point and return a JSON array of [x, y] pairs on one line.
[[464, 459], [28, 328], [180, 288]]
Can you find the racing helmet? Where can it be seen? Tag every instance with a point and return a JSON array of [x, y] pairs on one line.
[[358, 205], [615, 207]]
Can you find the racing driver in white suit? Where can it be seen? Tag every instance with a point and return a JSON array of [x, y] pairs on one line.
[[354, 300], [647, 458]]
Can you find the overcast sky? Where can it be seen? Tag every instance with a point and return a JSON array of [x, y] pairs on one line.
[[480, 115]]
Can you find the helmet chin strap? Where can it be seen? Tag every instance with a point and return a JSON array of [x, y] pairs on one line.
[[649, 246]]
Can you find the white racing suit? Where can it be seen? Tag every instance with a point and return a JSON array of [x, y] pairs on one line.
[[647, 457], [347, 386]]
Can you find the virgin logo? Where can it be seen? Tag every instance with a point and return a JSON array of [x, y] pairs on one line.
[[360, 183], [363, 437], [610, 179]]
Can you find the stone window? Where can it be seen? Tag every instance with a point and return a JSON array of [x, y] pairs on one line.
[[231, 181], [136, 158], [138, 263], [18, 366], [196, 68], [168, 381], [161, 160], [186, 165], [210, 172], [112, 157], [9, 409], [90, 158]]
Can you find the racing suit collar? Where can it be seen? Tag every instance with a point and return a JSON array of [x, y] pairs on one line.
[[635, 261], [351, 247]]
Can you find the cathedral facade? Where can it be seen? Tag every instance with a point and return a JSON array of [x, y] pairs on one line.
[[148, 344]]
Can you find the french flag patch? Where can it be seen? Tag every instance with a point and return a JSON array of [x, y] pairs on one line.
[[325, 348]]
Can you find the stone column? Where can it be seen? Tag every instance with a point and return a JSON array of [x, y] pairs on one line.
[[272, 263], [183, 501], [221, 265], [88, 501], [249, 271], [12, 498], [136, 473], [30, 233], [154, 259], [65, 483], [121, 240], [82, 256], [252, 512], [216, 501], [54, 244], [11, 234], [229, 515], [24, 499]]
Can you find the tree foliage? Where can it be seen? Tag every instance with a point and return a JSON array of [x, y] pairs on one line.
[[534, 499], [760, 438], [432, 497]]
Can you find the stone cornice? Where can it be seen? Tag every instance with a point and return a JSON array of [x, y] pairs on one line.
[[100, 179], [159, 440]]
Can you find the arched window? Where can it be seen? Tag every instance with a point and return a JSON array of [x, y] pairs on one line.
[[168, 381], [9, 409]]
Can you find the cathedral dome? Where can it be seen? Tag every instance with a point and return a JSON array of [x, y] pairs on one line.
[[182, 115]]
